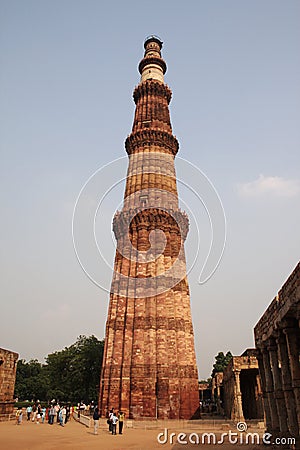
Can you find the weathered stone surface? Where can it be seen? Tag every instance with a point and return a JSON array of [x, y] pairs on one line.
[[242, 395], [277, 339], [149, 365], [8, 367]]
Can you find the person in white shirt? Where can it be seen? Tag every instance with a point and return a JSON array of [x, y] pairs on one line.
[[110, 416], [114, 422]]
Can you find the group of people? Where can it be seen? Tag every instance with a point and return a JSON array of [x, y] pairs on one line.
[[38, 414], [62, 414], [112, 421]]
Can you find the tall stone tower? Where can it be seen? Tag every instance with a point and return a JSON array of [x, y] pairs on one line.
[[149, 365]]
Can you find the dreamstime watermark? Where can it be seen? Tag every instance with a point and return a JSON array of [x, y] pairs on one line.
[[240, 437], [99, 201]]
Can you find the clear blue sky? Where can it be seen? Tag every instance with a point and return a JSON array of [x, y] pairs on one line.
[[68, 69]]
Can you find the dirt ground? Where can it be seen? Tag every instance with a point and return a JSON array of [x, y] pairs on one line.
[[32, 436]]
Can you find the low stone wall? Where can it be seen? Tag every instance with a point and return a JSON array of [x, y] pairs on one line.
[[6, 410], [81, 418]]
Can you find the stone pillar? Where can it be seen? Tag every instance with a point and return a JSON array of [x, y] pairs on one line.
[[264, 393], [238, 396], [218, 399], [287, 385], [292, 338], [259, 398], [270, 392], [278, 394]]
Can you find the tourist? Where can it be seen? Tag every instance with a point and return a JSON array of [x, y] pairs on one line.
[[34, 412], [92, 408], [64, 414], [61, 417], [38, 414], [51, 414], [72, 409], [96, 418], [82, 407], [43, 414], [114, 422], [68, 413], [47, 413], [19, 416], [110, 416], [29, 411], [121, 416], [57, 409]]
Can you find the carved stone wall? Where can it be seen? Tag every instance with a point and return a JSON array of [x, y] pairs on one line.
[[8, 367], [242, 388], [277, 339]]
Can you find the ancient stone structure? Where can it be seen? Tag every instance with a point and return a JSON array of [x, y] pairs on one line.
[[277, 338], [204, 391], [217, 391], [242, 394], [8, 368], [149, 365]]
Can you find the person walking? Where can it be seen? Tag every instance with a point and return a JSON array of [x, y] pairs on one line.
[[67, 413], [121, 416], [96, 418], [72, 409], [43, 414], [114, 422], [51, 414], [38, 414], [57, 409], [61, 417], [19, 416], [34, 412], [110, 416], [28, 411], [64, 414]]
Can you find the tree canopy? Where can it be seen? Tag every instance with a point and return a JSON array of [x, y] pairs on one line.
[[72, 374], [221, 362]]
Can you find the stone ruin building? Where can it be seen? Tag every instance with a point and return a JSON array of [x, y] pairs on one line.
[[242, 394], [237, 392], [277, 339], [8, 368], [149, 364], [204, 391]]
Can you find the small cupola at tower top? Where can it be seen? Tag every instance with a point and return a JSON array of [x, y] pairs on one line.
[[152, 66]]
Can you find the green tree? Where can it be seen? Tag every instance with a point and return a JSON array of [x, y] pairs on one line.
[[75, 371], [72, 374], [221, 362], [31, 380], [207, 381]]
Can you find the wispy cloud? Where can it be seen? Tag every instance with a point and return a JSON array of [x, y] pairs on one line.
[[266, 186]]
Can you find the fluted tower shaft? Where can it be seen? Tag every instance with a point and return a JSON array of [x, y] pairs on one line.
[[149, 365]]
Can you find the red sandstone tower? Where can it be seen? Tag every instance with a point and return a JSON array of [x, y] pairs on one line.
[[149, 365]]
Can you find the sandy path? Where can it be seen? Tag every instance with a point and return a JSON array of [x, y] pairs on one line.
[[30, 436]]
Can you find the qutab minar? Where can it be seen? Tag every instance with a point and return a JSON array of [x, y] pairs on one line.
[[149, 364]]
